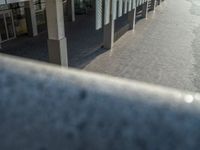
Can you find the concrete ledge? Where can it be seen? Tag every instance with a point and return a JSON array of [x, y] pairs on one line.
[[46, 107]]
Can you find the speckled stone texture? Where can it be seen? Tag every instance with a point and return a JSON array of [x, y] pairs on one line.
[[51, 108]]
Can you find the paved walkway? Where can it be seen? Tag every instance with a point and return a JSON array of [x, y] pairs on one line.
[[164, 49]]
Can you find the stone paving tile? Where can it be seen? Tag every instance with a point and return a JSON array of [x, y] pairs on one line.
[[159, 51]]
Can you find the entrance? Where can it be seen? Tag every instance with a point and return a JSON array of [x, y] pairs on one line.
[[7, 29]]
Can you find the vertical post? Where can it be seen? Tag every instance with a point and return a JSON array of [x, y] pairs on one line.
[[57, 43], [158, 2], [71, 10], [153, 4], [145, 9], [120, 8], [108, 29], [31, 18], [132, 19]]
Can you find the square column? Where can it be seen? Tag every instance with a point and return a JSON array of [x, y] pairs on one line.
[[57, 43], [109, 29], [31, 18], [108, 35], [132, 19], [145, 9], [70, 10], [153, 4]]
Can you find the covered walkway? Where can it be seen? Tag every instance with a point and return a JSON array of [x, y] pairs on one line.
[[164, 49], [81, 48], [84, 43]]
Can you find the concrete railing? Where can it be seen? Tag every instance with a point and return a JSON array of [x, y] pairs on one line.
[[46, 107]]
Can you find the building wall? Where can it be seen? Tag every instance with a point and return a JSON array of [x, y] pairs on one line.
[[18, 10]]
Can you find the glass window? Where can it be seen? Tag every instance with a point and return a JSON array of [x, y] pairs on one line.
[[18, 10]]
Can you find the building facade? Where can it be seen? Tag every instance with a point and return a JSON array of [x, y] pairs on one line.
[[15, 17], [18, 17], [31, 17]]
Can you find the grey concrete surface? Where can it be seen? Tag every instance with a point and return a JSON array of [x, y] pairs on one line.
[[45, 107], [164, 49]]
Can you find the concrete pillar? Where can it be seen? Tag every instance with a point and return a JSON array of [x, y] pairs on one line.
[[132, 19], [145, 9], [31, 18], [153, 4], [57, 43], [108, 31], [71, 10], [158, 2]]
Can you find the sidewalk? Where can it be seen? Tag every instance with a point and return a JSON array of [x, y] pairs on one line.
[[160, 51]]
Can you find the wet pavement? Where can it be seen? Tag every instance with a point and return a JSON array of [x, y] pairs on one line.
[[164, 49]]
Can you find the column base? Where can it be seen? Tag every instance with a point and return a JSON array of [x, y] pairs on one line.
[[108, 38], [132, 19], [57, 50], [153, 5], [145, 10]]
